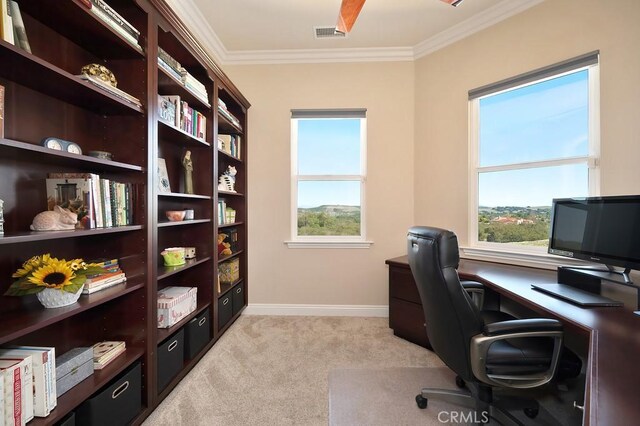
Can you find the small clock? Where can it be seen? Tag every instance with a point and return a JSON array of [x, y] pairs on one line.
[[62, 145]]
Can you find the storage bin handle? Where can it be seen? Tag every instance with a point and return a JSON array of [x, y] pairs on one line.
[[172, 346], [238, 290], [202, 321], [225, 301], [118, 391]]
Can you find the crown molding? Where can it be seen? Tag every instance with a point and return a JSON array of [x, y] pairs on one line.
[[491, 16], [195, 21]]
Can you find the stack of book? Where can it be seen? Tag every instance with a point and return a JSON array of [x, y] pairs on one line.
[[43, 377], [177, 71], [101, 84], [222, 108], [226, 214], [114, 20], [99, 203], [184, 117], [229, 144], [105, 352], [110, 276], [12, 28]]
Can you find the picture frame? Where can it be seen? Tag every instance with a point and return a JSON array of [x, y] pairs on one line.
[[164, 184]]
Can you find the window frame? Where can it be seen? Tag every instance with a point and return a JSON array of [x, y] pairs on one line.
[[328, 241], [527, 254]]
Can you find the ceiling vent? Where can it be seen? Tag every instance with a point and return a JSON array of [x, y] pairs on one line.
[[328, 32]]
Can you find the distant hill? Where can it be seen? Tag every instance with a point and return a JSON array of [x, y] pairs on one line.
[[331, 209]]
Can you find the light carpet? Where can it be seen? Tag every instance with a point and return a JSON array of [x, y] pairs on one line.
[[269, 370]]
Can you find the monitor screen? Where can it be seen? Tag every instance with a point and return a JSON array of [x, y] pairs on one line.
[[599, 229]]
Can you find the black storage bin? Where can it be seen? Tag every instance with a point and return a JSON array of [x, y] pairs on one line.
[[68, 420], [225, 310], [170, 359], [117, 404], [238, 298], [197, 334]]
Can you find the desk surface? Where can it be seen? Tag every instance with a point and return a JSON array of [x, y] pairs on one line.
[[613, 370]]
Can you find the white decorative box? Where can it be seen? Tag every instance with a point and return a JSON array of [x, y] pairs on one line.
[[175, 303]]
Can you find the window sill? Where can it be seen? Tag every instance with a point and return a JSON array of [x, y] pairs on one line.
[[533, 260], [329, 244]]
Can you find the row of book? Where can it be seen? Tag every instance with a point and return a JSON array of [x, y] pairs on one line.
[[110, 276], [105, 13], [177, 71], [222, 109], [103, 85], [230, 144], [226, 214], [12, 29], [179, 114], [32, 378], [99, 203]]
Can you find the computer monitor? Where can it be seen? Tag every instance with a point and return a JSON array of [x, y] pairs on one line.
[[604, 230]]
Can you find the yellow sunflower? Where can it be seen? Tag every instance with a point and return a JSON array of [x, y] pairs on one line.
[[57, 274]]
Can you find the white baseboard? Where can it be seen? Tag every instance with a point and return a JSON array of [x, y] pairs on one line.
[[318, 310]]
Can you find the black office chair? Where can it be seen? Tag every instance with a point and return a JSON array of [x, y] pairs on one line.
[[485, 349]]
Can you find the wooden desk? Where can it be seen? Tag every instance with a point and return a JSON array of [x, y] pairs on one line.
[[613, 368]]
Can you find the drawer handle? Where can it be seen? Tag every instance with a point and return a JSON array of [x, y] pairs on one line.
[[172, 346], [202, 321], [238, 290], [123, 387], [225, 301], [577, 406]]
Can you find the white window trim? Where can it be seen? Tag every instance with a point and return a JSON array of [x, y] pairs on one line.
[[328, 241], [522, 255]]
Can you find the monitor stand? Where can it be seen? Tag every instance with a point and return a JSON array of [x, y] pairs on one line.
[[609, 274], [590, 279]]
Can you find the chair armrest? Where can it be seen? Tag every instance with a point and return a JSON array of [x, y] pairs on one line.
[[471, 285], [475, 291], [521, 326]]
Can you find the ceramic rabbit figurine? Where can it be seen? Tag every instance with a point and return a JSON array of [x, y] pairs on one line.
[[58, 219]]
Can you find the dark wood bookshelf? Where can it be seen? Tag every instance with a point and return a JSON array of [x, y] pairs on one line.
[[181, 195], [169, 85], [231, 256], [229, 156], [167, 271], [227, 225], [183, 223], [34, 236]]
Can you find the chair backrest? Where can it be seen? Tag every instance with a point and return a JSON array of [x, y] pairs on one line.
[[451, 317]]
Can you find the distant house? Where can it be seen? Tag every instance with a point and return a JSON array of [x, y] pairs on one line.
[[511, 220]]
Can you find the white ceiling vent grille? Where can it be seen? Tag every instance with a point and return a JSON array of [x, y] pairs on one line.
[[328, 32]]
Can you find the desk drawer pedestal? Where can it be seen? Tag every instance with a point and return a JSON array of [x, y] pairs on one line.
[[406, 316]]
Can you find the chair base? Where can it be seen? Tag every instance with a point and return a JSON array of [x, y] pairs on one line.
[[483, 412]]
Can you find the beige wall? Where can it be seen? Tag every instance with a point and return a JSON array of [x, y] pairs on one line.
[[550, 32], [280, 275]]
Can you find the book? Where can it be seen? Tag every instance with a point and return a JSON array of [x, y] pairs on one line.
[[104, 17], [18, 25], [105, 352], [163, 177], [39, 359], [101, 278], [105, 195], [50, 370], [97, 202], [1, 110], [11, 375], [166, 110], [171, 62], [75, 194], [7, 22], [109, 88], [117, 18], [25, 393], [107, 284]]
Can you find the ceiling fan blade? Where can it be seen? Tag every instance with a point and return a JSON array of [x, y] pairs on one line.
[[349, 11], [452, 2]]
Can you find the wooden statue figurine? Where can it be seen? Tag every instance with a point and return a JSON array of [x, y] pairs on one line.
[[187, 163]]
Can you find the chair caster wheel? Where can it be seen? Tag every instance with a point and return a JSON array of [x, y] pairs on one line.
[[532, 413], [422, 402], [460, 383]]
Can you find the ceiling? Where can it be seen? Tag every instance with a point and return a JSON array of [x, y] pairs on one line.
[[239, 30]]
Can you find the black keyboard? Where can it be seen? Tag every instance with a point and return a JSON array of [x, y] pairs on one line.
[[575, 295]]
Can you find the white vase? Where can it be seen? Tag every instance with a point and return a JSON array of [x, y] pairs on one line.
[[54, 298]]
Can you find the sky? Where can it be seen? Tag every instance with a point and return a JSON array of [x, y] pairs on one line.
[[539, 122], [328, 147]]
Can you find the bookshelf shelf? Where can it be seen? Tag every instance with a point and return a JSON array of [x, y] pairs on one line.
[[227, 225], [231, 256], [31, 236], [37, 74], [73, 20], [26, 316], [183, 223], [235, 194], [179, 136], [60, 158], [182, 195], [225, 126], [76, 395], [169, 85], [229, 156], [167, 271], [164, 333], [224, 288]]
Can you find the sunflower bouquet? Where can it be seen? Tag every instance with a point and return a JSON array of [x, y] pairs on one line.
[[41, 272]]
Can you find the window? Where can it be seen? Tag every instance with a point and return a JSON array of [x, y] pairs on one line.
[[328, 164], [533, 138]]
